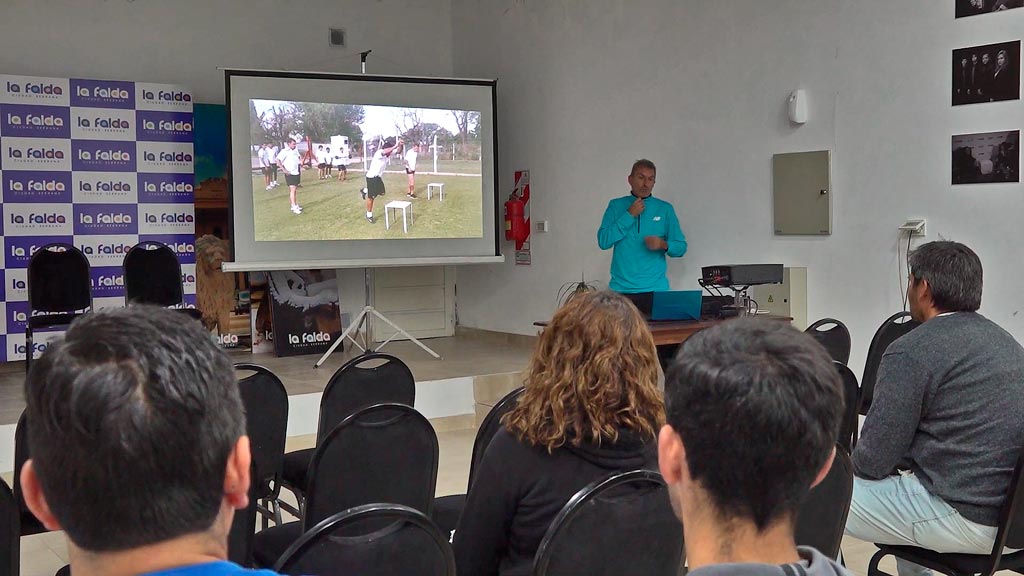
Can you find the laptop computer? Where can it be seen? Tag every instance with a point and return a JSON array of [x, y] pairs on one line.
[[676, 305]]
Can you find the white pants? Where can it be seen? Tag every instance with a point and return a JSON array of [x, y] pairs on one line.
[[898, 510]]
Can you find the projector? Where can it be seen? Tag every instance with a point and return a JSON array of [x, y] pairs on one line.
[[741, 274]]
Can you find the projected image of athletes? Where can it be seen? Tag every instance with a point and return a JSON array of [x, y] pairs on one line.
[[349, 172]]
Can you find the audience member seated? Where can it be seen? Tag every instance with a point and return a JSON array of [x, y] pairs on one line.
[[940, 442], [754, 409], [590, 408], [138, 445]]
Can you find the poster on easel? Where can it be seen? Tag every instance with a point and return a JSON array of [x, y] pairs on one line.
[[305, 312]]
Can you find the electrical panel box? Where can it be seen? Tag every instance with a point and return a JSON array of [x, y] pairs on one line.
[[786, 299], [802, 193]]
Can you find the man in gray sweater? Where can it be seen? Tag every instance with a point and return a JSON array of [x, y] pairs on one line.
[[753, 409], [939, 445]]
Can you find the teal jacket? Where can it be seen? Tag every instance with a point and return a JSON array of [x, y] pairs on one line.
[[634, 267]]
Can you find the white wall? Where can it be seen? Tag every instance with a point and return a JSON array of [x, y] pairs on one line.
[[700, 88], [185, 41]]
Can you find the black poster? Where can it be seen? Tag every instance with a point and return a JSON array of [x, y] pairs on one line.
[[305, 311]]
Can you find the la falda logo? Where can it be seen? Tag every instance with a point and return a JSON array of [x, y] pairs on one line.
[[309, 338]]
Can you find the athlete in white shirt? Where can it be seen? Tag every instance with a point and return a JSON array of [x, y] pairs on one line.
[[321, 166], [374, 182], [264, 157], [341, 163], [274, 150], [410, 169], [288, 160]]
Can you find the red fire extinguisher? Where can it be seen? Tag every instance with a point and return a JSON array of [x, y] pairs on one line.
[[515, 225]]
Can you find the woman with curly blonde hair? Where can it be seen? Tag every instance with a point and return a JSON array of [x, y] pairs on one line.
[[591, 407]]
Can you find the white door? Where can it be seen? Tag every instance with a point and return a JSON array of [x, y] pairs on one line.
[[420, 300]]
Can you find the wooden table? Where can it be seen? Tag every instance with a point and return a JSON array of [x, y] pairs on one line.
[[676, 332]]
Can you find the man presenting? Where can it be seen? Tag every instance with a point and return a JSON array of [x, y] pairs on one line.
[[641, 230], [938, 447]]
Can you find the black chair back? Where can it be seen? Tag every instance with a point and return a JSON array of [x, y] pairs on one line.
[[365, 380], [58, 279], [59, 290], [851, 398], [894, 326], [243, 525], [1011, 517], [266, 422], [29, 524], [632, 510], [152, 275], [834, 336], [373, 540], [490, 426], [384, 453], [822, 516], [10, 531]]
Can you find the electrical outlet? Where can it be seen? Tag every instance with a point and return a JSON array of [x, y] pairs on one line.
[[918, 227], [542, 226]]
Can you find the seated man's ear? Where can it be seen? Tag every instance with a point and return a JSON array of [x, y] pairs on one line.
[[32, 491], [671, 455], [825, 468], [237, 474]]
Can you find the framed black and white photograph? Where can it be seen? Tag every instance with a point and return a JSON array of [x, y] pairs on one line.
[[989, 73], [976, 7], [986, 158]]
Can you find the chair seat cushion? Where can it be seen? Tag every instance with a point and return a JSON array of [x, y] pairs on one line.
[[296, 464], [963, 563], [270, 544], [447, 510]]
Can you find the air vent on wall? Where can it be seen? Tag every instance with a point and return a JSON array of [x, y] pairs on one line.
[[337, 37]]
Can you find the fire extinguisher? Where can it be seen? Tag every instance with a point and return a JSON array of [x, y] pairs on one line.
[[514, 222]]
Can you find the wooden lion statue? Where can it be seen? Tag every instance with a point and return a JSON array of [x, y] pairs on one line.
[[215, 289]]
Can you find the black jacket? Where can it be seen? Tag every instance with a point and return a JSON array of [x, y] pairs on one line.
[[518, 491]]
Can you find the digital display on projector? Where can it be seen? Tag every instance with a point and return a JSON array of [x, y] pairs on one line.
[[349, 154]]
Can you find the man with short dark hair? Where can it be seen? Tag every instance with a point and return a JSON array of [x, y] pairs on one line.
[[138, 446], [753, 411], [944, 431], [641, 230]]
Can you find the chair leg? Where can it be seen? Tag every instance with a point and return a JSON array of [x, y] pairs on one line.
[[873, 569]]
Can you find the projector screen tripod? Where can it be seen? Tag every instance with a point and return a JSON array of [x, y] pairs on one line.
[[363, 319]]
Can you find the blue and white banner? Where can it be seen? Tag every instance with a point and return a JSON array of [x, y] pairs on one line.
[[100, 164]]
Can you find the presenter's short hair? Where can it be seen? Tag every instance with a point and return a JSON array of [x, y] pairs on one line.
[[757, 405], [131, 419], [953, 272], [643, 163]]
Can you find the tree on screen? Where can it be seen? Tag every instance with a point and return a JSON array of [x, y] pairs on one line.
[[321, 121]]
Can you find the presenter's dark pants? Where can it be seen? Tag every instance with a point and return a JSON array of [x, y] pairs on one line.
[[643, 302]]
